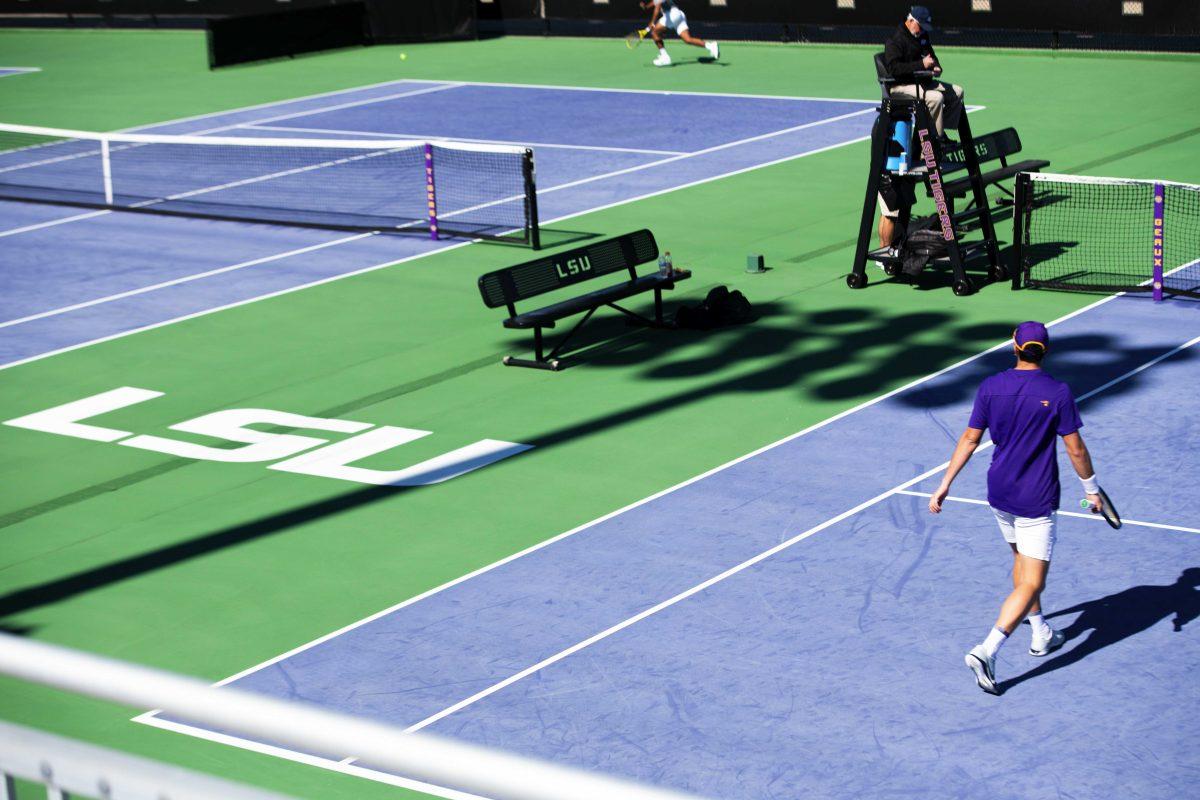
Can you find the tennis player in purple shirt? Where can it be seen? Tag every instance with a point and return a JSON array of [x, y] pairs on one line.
[[1025, 409]]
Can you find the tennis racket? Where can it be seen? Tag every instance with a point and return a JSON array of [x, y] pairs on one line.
[[1109, 511], [635, 38]]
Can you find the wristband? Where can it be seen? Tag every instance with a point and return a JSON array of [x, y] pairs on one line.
[[1090, 485]]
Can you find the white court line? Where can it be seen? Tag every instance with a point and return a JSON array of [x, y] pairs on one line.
[[874, 102], [734, 462], [215, 309], [271, 104], [6, 71], [742, 566], [338, 107], [1096, 517], [436, 87], [569, 184], [372, 268], [51, 223], [90, 153], [79, 217], [343, 767], [706, 151], [149, 719], [422, 138], [185, 279]]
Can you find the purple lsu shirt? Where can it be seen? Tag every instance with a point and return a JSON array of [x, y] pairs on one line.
[[1025, 409]]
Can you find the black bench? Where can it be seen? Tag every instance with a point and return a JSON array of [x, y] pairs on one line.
[[507, 287], [997, 145]]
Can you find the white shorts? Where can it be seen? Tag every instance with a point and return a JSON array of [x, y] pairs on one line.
[[675, 19], [1033, 536]]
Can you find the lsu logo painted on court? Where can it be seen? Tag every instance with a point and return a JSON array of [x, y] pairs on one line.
[[306, 455]]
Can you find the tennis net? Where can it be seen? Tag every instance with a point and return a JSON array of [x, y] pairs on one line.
[[444, 188], [1107, 234]]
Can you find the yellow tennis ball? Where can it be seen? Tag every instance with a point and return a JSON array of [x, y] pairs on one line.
[[404, 56]]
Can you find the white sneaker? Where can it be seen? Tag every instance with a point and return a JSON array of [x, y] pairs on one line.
[[984, 669], [663, 59], [1045, 648], [714, 49]]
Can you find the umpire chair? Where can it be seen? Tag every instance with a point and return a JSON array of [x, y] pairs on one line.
[[926, 153]]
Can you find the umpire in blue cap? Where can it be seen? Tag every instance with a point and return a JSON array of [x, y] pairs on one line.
[[908, 50]]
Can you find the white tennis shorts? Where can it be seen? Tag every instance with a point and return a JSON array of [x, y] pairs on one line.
[[1033, 536], [675, 19]]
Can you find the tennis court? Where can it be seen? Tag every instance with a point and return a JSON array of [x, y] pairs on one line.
[[580, 169], [702, 560], [835, 601]]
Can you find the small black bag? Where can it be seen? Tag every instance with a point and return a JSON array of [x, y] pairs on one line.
[[720, 307], [920, 248]]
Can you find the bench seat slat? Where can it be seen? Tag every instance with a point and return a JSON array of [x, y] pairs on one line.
[[961, 186], [547, 316]]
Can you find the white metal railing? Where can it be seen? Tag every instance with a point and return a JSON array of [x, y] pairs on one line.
[[306, 728], [65, 766]]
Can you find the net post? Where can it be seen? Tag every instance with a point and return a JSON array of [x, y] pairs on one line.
[[1159, 211], [431, 192], [1020, 201], [106, 168], [531, 209]]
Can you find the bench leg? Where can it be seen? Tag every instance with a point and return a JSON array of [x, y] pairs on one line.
[[539, 361], [553, 365]]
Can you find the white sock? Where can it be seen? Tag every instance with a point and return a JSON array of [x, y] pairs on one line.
[[995, 638], [1041, 631]]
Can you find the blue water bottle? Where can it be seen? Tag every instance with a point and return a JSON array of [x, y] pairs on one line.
[[664, 263], [901, 135]]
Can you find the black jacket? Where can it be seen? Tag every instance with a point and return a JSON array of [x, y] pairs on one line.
[[903, 52]]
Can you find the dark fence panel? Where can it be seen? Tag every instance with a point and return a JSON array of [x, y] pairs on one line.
[[1094, 16], [279, 34], [428, 21], [391, 20], [1100, 24]]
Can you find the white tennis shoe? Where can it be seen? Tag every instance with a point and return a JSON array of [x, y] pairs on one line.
[[714, 49], [984, 668], [1039, 649], [663, 60]]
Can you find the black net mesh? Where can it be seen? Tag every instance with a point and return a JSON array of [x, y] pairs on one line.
[[481, 192], [1098, 235]]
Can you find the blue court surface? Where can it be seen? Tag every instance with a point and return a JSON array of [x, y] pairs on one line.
[[793, 624], [74, 276]]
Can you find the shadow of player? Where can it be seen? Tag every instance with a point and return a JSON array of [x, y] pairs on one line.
[[1119, 616]]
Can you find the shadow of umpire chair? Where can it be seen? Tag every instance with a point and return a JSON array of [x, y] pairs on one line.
[[1118, 616]]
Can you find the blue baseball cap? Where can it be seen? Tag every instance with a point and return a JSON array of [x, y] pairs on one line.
[[922, 16], [1030, 332]]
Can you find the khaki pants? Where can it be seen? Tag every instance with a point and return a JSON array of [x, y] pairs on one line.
[[944, 100]]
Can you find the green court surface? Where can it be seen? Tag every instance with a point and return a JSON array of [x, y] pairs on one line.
[[207, 568]]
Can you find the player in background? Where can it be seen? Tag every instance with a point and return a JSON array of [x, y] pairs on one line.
[[672, 17], [1026, 410]]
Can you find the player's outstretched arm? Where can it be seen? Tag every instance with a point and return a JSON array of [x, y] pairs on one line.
[[967, 443], [1081, 460], [654, 9]]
